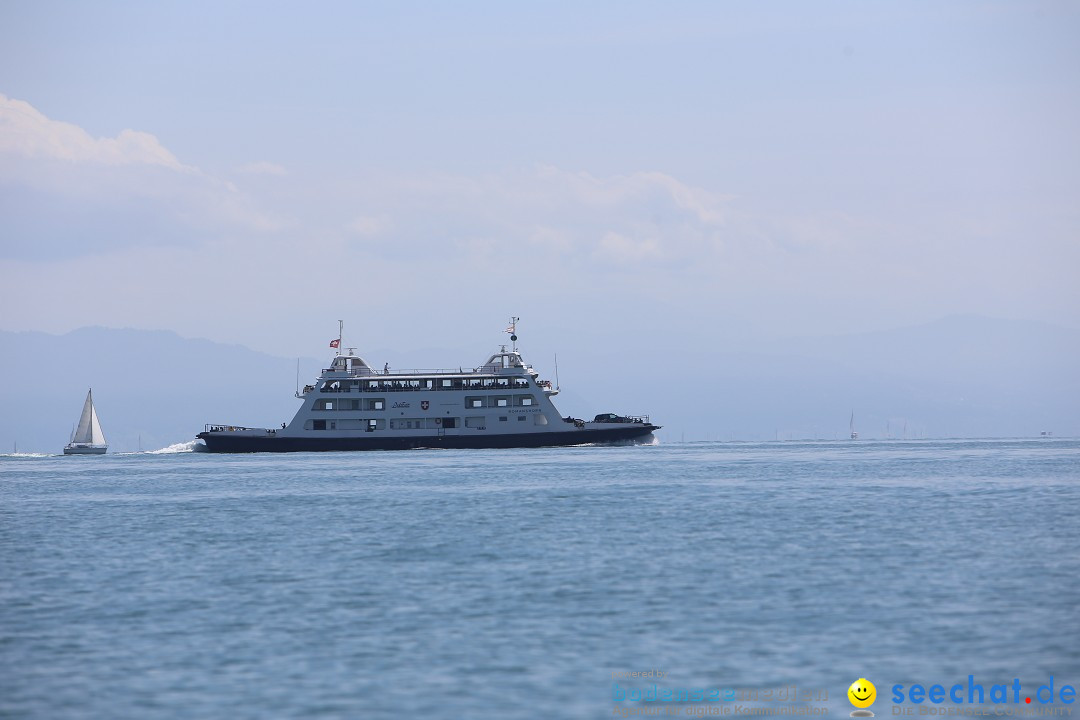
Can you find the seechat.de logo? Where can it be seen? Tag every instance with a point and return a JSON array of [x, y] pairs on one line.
[[974, 693]]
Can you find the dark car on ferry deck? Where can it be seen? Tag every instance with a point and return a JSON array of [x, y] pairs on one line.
[[613, 418]]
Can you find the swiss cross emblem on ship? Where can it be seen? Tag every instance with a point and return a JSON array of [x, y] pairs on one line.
[[424, 404]]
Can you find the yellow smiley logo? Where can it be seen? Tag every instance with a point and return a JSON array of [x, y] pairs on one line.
[[862, 693]]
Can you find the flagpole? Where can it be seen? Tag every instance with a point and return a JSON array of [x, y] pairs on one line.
[[340, 326]]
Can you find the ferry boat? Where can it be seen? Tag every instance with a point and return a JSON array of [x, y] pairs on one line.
[[501, 403]]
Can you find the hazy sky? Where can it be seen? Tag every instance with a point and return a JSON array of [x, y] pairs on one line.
[[635, 174]]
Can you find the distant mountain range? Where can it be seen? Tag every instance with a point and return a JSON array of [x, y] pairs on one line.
[[958, 377], [150, 387], [962, 376]]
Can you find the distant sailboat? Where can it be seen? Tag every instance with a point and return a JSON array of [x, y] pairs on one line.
[[87, 438], [854, 432]]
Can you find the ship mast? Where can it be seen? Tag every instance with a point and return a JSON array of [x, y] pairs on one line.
[[340, 327], [513, 331]]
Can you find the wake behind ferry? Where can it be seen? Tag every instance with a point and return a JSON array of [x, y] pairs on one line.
[[500, 404]]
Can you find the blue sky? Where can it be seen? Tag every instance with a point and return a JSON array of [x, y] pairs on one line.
[[642, 173]]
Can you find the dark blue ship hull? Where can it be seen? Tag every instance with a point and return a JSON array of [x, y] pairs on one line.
[[227, 442]]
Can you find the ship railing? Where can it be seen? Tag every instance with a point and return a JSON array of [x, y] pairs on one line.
[[643, 419], [391, 385], [224, 427], [368, 372]]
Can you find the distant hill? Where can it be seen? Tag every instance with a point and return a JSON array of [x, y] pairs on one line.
[[958, 377], [152, 384]]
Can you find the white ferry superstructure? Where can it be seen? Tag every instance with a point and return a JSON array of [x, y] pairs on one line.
[[500, 404]]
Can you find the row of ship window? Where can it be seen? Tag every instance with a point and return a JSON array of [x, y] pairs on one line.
[[477, 422], [470, 402], [424, 384]]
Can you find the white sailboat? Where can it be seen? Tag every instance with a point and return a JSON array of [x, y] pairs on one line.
[[854, 432], [87, 438]]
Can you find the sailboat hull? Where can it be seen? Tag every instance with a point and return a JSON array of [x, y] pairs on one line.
[[85, 449]]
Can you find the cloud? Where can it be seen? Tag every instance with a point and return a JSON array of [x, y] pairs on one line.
[[627, 250], [131, 190], [26, 132], [582, 219], [119, 219], [657, 191], [64, 191]]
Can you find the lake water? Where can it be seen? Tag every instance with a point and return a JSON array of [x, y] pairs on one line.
[[524, 583]]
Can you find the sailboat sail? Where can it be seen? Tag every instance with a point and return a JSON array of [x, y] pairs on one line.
[[89, 430]]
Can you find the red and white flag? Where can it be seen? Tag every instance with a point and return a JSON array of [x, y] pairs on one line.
[[335, 343]]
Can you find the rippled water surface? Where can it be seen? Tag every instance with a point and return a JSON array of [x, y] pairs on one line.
[[513, 583]]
